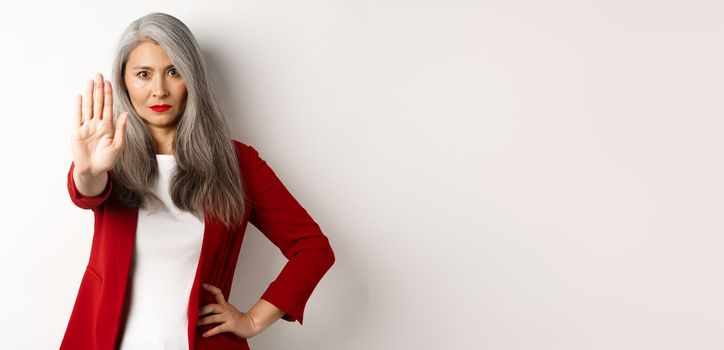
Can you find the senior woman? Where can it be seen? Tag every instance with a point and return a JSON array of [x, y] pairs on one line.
[[172, 193]]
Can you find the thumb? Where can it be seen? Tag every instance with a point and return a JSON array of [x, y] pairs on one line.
[[120, 130]]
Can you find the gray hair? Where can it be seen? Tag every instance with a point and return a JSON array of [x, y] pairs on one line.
[[207, 176]]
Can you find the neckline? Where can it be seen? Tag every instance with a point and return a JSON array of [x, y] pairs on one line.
[[165, 157]]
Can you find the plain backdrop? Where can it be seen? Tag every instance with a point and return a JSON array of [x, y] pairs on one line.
[[491, 174]]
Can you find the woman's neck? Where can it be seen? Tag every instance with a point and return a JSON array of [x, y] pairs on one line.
[[163, 140]]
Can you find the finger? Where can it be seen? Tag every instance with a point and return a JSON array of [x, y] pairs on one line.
[[216, 292], [119, 134], [211, 308], [78, 110], [98, 97], [107, 101], [216, 318], [88, 102], [216, 330]]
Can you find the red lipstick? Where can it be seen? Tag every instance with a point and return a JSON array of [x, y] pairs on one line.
[[160, 108]]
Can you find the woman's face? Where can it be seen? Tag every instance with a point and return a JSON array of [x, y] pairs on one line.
[[152, 80]]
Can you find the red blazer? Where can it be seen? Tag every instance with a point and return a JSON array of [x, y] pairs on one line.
[[96, 319]]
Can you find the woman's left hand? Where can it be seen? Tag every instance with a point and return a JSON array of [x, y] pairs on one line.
[[231, 319]]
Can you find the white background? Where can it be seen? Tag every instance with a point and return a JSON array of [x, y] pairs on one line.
[[491, 174]]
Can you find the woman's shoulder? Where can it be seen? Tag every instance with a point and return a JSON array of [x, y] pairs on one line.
[[245, 151], [242, 146], [239, 145], [249, 160]]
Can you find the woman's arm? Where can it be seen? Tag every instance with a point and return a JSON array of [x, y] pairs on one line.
[[265, 314], [281, 218], [88, 184], [83, 183]]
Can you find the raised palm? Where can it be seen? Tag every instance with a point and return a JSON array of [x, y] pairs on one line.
[[96, 143]]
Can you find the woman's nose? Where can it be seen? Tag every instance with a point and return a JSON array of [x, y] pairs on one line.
[[159, 88]]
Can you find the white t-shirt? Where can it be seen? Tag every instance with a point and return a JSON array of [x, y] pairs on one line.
[[165, 257]]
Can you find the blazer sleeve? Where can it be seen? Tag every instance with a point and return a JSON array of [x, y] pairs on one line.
[[278, 215], [86, 202]]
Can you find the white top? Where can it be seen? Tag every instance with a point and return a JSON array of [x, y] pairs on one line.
[[165, 257]]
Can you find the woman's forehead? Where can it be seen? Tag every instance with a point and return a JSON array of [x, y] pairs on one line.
[[148, 55]]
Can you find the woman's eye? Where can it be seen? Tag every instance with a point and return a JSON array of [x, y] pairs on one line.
[[144, 74]]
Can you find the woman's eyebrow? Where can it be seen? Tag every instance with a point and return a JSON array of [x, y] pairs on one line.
[[150, 68]]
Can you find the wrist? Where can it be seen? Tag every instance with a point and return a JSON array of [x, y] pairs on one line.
[[87, 173], [263, 314], [256, 325]]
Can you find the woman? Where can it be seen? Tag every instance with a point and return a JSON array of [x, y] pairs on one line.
[[171, 194]]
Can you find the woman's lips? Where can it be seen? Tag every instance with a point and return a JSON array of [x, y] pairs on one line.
[[160, 108]]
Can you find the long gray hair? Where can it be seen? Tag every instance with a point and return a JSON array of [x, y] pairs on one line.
[[207, 176]]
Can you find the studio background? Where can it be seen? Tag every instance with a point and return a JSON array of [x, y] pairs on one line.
[[491, 174]]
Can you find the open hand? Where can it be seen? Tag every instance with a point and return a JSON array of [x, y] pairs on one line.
[[96, 143], [231, 319]]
